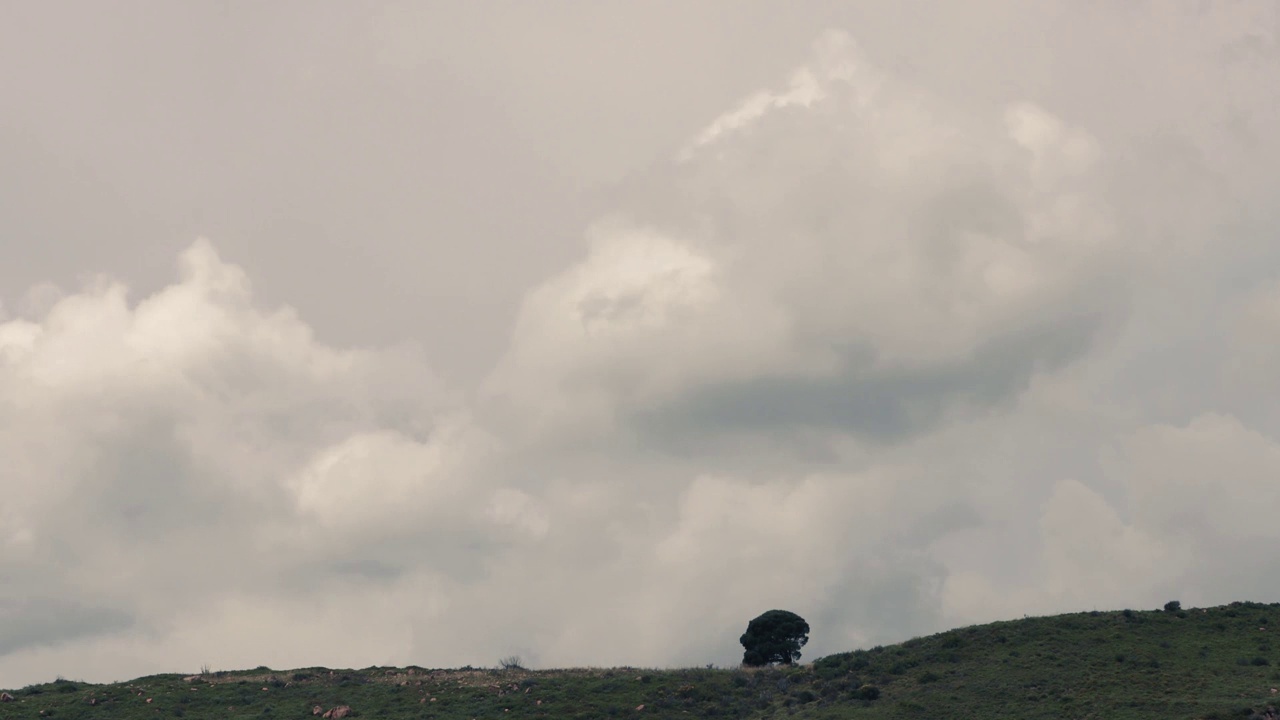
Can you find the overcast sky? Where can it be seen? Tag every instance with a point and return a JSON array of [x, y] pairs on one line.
[[355, 333]]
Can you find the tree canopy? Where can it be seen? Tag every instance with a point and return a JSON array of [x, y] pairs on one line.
[[774, 637]]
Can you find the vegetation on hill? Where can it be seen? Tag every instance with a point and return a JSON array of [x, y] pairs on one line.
[[1213, 663]]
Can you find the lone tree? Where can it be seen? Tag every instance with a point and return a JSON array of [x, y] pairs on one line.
[[774, 637]]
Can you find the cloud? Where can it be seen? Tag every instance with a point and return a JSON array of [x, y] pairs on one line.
[[850, 253], [165, 452], [888, 357]]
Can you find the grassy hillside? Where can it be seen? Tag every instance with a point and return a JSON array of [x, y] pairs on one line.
[[1196, 663]]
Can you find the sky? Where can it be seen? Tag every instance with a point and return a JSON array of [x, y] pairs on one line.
[[386, 333]]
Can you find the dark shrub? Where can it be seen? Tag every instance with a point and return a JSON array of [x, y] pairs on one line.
[[1172, 606], [828, 672], [903, 666], [868, 692]]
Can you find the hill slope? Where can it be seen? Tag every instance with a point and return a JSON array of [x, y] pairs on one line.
[[1198, 663]]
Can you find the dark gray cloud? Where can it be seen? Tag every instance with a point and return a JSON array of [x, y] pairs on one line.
[[883, 406], [27, 621]]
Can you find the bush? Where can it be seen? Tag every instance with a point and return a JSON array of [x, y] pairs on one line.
[[1172, 606], [510, 663], [868, 692]]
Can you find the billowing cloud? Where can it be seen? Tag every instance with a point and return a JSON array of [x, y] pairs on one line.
[[847, 253], [887, 356]]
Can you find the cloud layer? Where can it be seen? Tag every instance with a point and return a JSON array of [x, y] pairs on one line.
[[857, 349]]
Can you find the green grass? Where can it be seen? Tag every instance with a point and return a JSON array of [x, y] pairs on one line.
[[1210, 663]]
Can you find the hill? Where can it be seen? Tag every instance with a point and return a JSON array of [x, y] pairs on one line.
[[1212, 663]]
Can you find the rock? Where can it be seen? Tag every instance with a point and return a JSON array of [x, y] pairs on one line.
[[317, 710], [640, 707], [5, 697], [341, 711]]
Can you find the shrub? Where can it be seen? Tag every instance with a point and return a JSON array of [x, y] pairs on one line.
[[1172, 606], [868, 692]]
